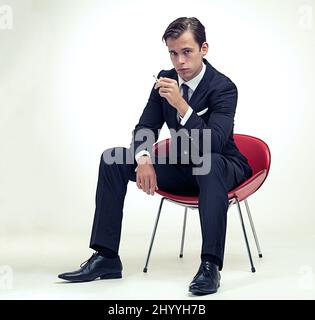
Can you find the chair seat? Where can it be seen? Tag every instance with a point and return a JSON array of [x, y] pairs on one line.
[[182, 199], [249, 186], [241, 192]]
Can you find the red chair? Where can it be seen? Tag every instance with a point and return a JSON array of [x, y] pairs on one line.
[[258, 155]]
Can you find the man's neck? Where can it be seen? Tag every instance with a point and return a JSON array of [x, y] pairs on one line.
[[193, 83]]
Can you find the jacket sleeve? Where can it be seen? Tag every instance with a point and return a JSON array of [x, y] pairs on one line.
[[146, 132], [221, 119]]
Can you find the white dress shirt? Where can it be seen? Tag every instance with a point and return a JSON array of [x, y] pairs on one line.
[[192, 84]]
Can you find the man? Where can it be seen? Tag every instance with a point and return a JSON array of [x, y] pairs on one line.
[[191, 97]]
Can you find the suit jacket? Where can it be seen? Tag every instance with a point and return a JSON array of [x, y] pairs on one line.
[[213, 102]]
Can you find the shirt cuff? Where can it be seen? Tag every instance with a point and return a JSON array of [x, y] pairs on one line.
[[185, 118], [141, 153]]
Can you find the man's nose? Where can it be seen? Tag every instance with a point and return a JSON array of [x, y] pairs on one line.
[[181, 59]]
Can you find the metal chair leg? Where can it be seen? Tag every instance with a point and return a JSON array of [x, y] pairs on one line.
[[253, 228], [145, 269], [245, 236], [183, 235]]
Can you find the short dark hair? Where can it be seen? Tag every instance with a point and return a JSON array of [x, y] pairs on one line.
[[180, 25]]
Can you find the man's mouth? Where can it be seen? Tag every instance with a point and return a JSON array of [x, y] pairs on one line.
[[183, 69]]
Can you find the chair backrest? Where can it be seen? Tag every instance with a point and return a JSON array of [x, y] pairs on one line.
[[255, 150], [162, 147]]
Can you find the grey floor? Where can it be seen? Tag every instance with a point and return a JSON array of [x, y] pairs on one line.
[[29, 268]]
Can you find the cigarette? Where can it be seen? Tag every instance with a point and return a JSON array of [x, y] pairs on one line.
[[156, 79]]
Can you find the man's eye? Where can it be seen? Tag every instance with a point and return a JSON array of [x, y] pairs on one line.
[[173, 53], [187, 51]]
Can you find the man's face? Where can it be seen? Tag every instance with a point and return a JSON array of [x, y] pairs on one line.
[[186, 55]]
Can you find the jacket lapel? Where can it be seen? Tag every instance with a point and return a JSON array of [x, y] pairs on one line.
[[202, 88]]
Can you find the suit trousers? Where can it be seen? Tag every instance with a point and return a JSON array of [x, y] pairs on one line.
[[212, 190]]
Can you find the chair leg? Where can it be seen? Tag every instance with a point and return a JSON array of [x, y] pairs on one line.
[[183, 235], [245, 236], [145, 269], [253, 228]]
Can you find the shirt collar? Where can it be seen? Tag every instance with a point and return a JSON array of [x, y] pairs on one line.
[[193, 83]]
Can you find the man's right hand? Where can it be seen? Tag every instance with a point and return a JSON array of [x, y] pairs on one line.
[[146, 177]]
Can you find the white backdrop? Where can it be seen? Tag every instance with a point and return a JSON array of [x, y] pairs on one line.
[[75, 77]]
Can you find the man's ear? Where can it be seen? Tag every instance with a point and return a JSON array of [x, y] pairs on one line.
[[204, 48]]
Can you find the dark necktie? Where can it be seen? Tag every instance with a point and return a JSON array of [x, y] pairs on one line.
[[185, 96], [185, 92]]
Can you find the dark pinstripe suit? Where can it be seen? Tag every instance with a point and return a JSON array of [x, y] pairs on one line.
[[215, 100]]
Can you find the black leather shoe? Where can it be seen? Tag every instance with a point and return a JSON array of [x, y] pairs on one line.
[[96, 266], [207, 279]]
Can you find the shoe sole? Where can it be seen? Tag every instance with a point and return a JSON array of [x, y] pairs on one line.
[[112, 276], [117, 275], [199, 292]]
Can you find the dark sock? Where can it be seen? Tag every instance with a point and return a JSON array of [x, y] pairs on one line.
[[211, 258], [107, 253]]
